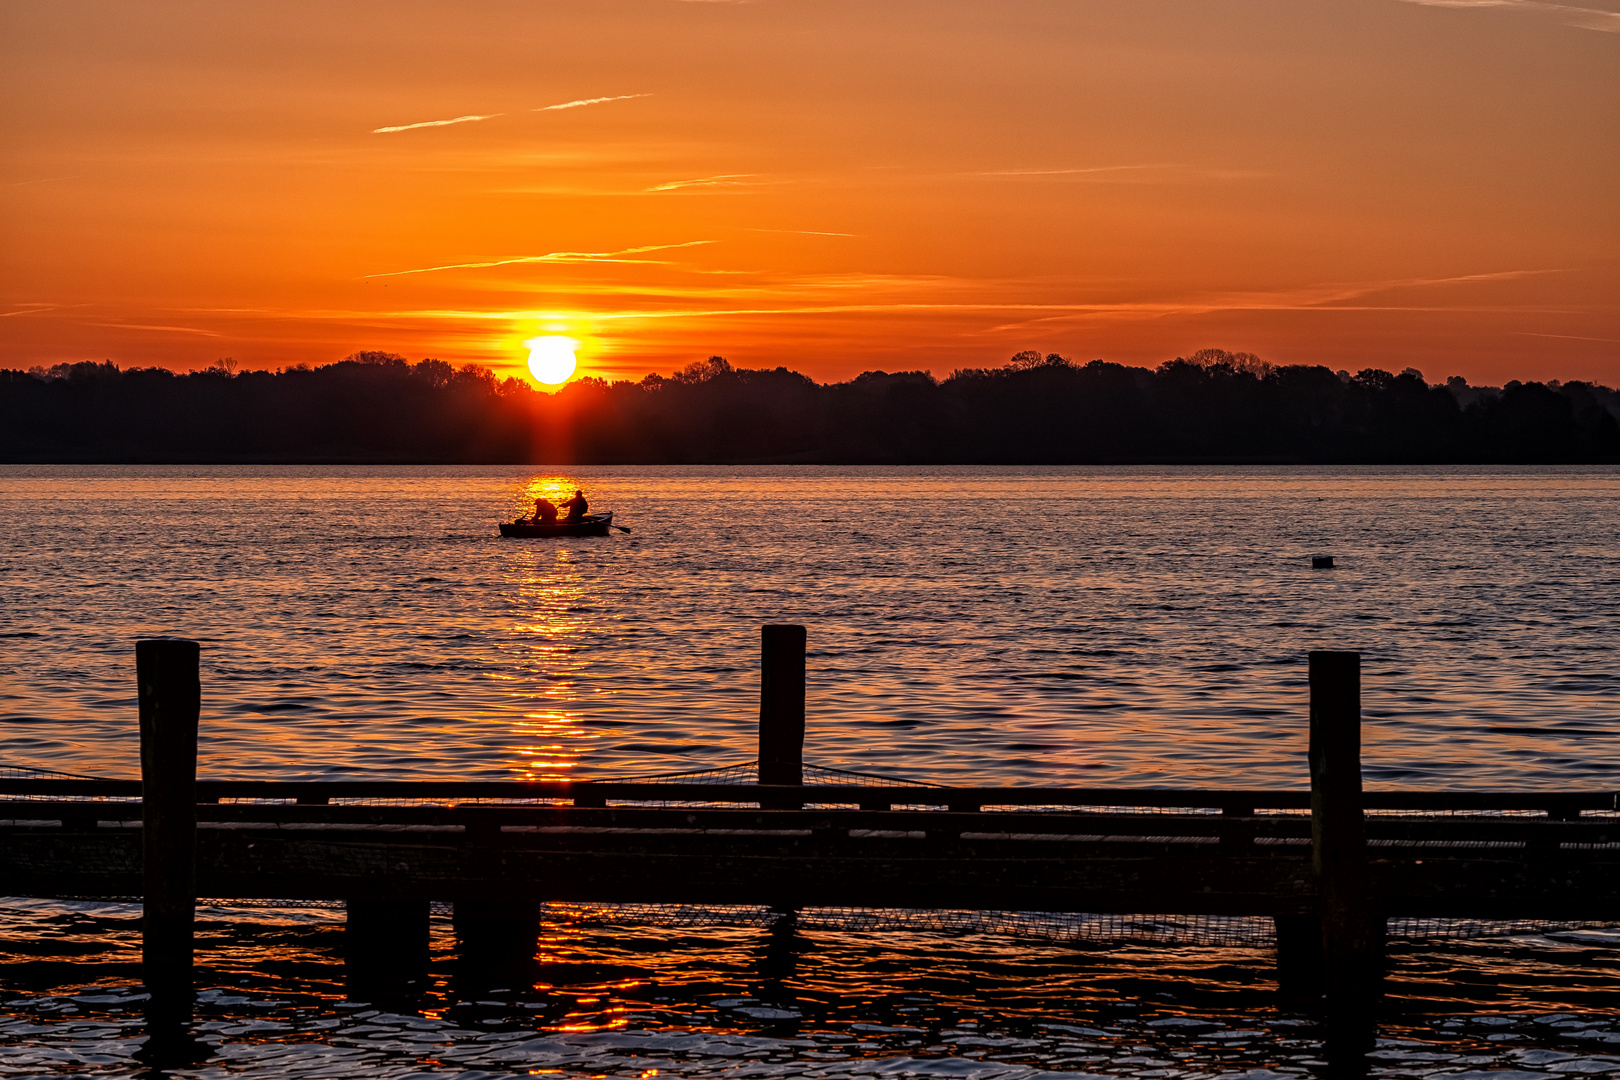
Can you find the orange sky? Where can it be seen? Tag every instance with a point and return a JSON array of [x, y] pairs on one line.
[[830, 186]]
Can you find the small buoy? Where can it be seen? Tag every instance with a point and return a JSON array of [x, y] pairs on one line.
[[1321, 562]]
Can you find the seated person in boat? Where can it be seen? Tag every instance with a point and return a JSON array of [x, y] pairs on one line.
[[544, 512], [577, 506]]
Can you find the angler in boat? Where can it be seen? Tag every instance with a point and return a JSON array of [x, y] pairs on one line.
[[577, 506], [578, 522]]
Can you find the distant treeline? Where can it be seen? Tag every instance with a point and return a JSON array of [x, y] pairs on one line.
[[1211, 407]]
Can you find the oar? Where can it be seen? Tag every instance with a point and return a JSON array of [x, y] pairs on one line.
[[621, 528]]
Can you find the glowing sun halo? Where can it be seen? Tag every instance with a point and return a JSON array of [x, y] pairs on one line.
[[551, 359]]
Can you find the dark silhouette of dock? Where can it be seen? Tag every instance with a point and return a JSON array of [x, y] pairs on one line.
[[1329, 878]]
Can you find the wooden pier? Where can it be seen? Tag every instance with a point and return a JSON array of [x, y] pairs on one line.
[[1329, 864]]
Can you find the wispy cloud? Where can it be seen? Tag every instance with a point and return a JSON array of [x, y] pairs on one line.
[[588, 101], [724, 180], [1096, 170], [1124, 174], [797, 232], [1563, 337], [470, 117], [553, 257], [434, 123], [160, 329], [1057, 312], [992, 305], [1328, 297], [1572, 15]]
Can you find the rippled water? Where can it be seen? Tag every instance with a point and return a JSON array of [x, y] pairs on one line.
[[1108, 626], [744, 1003], [1141, 626]]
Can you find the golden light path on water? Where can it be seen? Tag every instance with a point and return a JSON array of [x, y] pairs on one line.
[[550, 741]]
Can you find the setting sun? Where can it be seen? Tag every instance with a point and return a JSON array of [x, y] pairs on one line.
[[551, 359]]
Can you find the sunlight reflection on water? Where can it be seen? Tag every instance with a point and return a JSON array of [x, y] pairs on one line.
[[550, 741]]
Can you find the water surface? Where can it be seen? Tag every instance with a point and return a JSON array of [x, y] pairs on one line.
[[1061, 625], [1105, 626]]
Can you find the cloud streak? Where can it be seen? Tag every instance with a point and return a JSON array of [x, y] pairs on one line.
[[723, 180], [473, 117], [1074, 172], [588, 101], [989, 306], [1062, 312], [434, 123], [797, 232], [1565, 337], [1586, 18], [1124, 174], [161, 329], [553, 257], [1327, 298]]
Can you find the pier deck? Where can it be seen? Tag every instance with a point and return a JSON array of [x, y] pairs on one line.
[[1510, 855]]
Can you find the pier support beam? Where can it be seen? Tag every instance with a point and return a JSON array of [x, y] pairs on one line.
[[385, 947], [497, 938], [169, 695], [779, 954], [1299, 958], [1352, 929]]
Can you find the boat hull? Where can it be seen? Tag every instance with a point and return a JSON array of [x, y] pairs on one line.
[[590, 525]]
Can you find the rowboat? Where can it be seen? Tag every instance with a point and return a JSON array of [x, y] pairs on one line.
[[589, 525]]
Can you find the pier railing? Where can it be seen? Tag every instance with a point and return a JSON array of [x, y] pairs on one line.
[[1557, 806]]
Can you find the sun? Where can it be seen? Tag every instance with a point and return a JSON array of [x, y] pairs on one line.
[[551, 359]]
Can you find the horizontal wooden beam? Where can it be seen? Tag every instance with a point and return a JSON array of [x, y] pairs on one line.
[[941, 796], [1537, 832], [948, 868]]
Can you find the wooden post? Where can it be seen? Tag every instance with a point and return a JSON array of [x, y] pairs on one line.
[[1352, 930], [781, 705], [169, 693]]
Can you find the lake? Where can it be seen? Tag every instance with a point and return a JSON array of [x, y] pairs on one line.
[[1104, 626], [1110, 626]]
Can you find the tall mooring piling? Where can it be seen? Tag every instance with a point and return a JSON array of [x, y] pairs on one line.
[[1352, 929], [781, 704], [169, 697]]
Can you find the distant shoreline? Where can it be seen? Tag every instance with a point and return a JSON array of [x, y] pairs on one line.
[[1216, 409], [763, 463]]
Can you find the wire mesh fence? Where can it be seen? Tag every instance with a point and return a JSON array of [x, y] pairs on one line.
[[1075, 928], [1060, 927], [1070, 927]]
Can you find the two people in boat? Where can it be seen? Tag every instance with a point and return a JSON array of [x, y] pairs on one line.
[[545, 512]]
